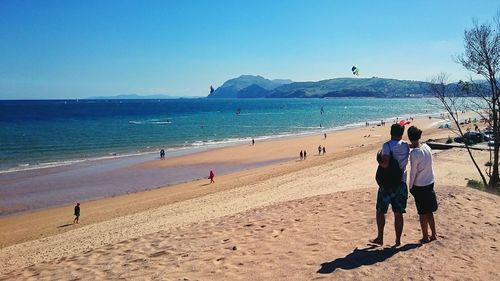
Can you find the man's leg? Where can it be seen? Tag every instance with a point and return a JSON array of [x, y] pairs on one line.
[[380, 229], [398, 203], [432, 224], [381, 207], [398, 226], [423, 225]]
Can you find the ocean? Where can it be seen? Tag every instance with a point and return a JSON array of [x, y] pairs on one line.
[[46, 133], [56, 132]]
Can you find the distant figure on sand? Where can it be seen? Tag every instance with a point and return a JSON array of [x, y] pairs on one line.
[[305, 154], [253, 141], [301, 155], [422, 183], [319, 149], [324, 135], [392, 160], [77, 213], [324, 150], [211, 177], [162, 154]]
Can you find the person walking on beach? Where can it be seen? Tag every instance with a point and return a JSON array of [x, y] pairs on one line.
[[324, 135], [422, 183], [253, 141], [301, 155], [324, 150], [319, 149], [77, 213], [305, 154], [162, 154], [211, 177], [392, 160]]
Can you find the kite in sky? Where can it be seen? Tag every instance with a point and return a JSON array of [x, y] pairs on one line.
[[355, 71]]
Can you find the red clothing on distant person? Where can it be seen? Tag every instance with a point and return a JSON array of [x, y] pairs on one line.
[[212, 176]]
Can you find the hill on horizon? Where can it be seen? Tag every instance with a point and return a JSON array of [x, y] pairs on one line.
[[249, 86]]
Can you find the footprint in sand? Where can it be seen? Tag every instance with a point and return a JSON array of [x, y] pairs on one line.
[[158, 254]]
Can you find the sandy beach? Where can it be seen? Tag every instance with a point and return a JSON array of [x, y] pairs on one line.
[[294, 220]]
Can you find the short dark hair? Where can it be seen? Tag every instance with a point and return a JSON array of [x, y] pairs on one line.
[[414, 133], [397, 130]]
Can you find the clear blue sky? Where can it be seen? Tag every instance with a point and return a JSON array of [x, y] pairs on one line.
[[76, 49]]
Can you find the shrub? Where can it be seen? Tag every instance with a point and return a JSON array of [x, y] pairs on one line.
[[474, 183]]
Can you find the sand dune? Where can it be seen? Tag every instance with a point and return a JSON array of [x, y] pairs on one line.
[[321, 237]]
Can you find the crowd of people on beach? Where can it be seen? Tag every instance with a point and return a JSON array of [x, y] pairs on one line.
[[321, 151]]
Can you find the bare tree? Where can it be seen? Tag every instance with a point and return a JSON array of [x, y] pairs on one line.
[[481, 105], [453, 104], [482, 56]]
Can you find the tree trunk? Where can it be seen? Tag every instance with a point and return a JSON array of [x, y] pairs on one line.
[[494, 174], [457, 123]]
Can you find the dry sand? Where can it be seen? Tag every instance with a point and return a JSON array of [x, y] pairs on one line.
[[300, 220]]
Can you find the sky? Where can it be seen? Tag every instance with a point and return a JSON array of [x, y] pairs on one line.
[[77, 49]]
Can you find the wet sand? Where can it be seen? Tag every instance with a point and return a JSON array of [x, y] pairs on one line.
[[51, 187]]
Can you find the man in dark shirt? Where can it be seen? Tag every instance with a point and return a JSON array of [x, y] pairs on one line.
[[77, 213]]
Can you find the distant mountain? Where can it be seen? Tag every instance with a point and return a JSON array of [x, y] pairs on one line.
[[351, 87], [247, 86], [252, 91], [137, 97]]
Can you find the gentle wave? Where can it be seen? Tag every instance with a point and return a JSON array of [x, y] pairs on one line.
[[149, 122]]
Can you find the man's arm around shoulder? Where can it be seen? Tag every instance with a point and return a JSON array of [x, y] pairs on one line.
[[384, 162]]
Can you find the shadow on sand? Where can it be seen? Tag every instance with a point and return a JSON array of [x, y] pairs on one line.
[[366, 256], [65, 225]]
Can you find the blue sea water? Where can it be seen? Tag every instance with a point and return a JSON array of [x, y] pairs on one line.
[[51, 132]]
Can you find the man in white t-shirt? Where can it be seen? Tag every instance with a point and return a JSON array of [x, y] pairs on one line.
[[422, 184], [397, 196]]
